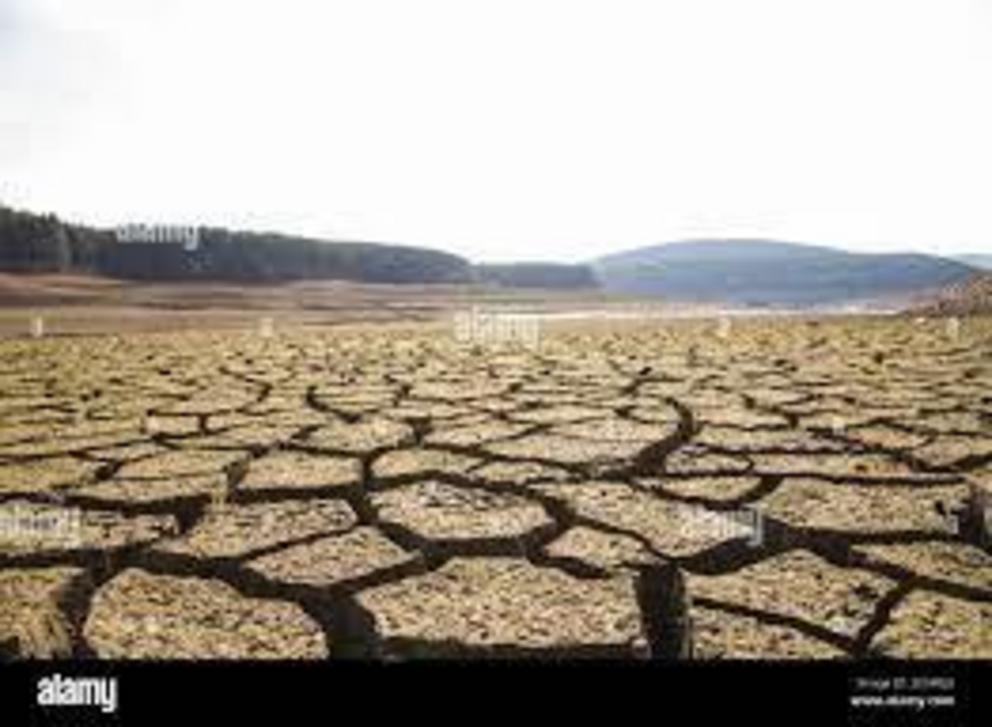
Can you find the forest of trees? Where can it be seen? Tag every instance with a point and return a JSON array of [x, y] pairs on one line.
[[43, 243], [537, 275], [269, 257]]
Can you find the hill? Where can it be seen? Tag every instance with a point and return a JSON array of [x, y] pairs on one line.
[[44, 244], [225, 255], [772, 273]]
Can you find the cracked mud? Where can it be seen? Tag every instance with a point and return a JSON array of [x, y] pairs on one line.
[[787, 489]]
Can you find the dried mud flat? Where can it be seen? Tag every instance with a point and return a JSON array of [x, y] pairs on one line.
[[688, 490]]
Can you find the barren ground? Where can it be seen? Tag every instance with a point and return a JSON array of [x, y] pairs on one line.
[[684, 490], [79, 304]]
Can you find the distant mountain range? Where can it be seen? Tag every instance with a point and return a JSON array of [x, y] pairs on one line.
[[772, 273], [743, 272]]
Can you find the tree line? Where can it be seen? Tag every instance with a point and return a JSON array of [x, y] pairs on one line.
[[37, 243]]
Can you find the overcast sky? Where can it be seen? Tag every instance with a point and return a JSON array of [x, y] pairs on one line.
[[508, 129]]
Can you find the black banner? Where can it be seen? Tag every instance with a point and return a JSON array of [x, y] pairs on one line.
[[831, 693]]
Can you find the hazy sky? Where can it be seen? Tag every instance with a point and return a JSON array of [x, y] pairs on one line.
[[508, 129]]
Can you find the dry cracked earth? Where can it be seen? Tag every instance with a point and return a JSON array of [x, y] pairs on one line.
[[778, 489]]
